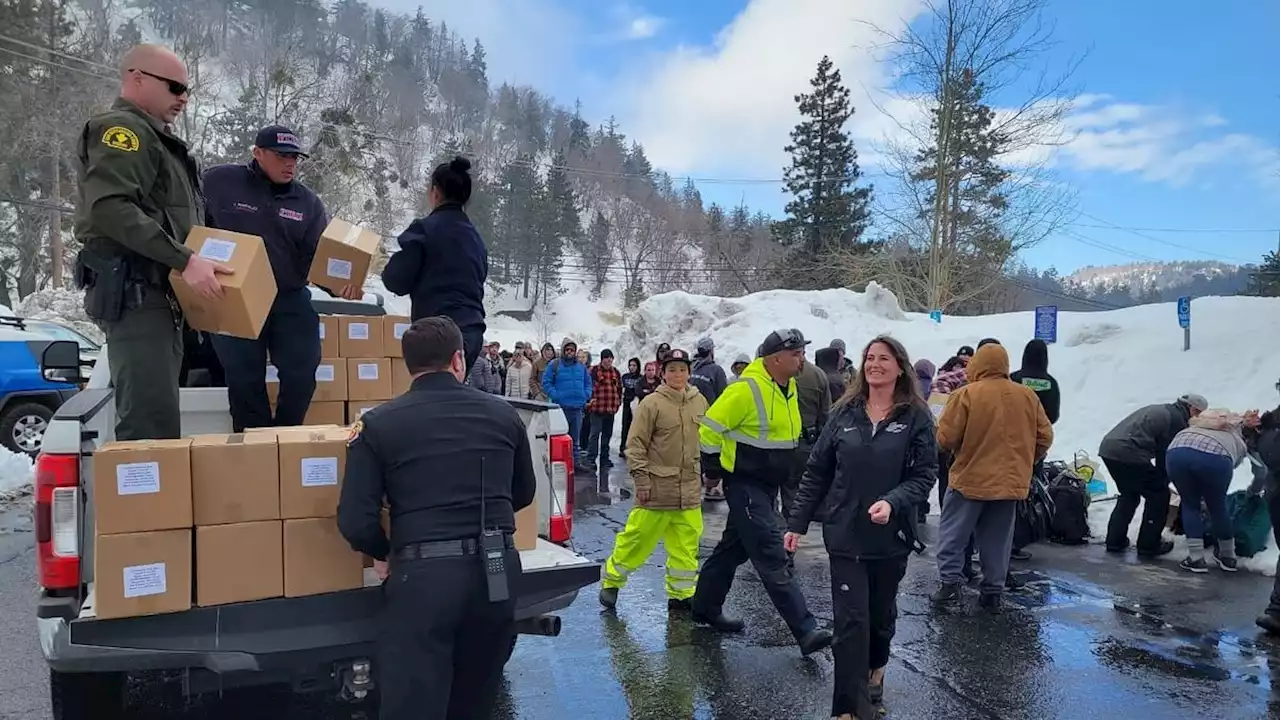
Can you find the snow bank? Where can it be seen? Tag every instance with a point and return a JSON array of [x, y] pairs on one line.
[[60, 305], [15, 474]]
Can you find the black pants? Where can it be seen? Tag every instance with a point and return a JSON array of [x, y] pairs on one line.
[[787, 493], [442, 644], [751, 533], [626, 426], [292, 336], [1138, 482], [1273, 507], [600, 433], [472, 339], [864, 598]]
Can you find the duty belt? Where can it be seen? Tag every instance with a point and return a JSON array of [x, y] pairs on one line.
[[445, 549]]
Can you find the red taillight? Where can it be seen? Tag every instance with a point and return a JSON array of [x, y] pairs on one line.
[[561, 525], [58, 521]]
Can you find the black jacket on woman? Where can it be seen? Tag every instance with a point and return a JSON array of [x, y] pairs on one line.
[[442, 265], [850, 469]]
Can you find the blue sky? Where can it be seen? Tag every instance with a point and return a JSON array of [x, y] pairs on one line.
[[1176, 128]]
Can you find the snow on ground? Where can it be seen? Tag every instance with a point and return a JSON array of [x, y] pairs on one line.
[[15, 474]]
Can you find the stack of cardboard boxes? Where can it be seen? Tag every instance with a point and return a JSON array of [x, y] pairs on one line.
[[360, 367], [262, 505]]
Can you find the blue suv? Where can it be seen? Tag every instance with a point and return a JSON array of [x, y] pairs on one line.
[[27, 399]]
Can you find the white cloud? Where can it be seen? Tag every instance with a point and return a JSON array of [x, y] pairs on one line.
[[644, 27], [728, 107]]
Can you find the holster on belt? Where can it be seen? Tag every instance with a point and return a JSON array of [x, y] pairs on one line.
[[108, 283]]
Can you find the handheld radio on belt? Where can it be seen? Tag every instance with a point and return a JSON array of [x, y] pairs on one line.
[[493, 552]]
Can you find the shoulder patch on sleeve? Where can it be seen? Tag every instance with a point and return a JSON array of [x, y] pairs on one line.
[[119, 137], [356, 429]]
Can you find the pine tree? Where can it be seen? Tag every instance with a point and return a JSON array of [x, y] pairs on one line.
[[827, 212], [1265, 281], [599, 251], [563, 227], [579, 145], [520, 197]]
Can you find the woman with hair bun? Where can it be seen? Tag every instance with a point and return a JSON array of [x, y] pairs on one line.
[[442, 263]]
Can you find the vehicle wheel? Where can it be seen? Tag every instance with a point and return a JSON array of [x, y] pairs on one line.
[[22, 427], [87, 696]]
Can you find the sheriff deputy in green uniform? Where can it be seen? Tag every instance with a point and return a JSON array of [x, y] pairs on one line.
[[139, 197]]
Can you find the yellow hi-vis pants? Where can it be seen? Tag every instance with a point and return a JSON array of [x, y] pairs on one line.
[[677, 530]]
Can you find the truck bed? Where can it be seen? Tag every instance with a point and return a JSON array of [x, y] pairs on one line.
[[273, 634]]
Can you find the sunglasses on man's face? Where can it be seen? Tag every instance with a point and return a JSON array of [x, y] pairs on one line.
[[176, 88]]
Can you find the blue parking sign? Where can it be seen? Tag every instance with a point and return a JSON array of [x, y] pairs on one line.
[[1047, 323], [1184, 311]]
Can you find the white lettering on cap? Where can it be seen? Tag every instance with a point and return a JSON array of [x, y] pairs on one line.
[[286, 138]]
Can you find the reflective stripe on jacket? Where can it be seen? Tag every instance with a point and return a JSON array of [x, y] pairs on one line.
[[753, 427]]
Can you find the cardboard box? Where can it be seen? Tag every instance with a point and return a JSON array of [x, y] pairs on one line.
[[361, 337], [141, 486], [331, 381], [248, 293], [527, 527], [393, 327], [234, 478], [145, 573], [275, 431], [317, 559], [312, 462], [329, 335], [343, 256], [222, 574], [401, 380], [356, 409], [326, 413], [368, 379], [273, 384]]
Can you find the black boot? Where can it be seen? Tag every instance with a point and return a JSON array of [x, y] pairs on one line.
[[719, 622], [815, 640], [948, 594], [1269, 622], [1165, 548]]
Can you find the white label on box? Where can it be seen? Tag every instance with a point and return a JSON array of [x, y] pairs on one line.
[[138, 478], [144, 580], [320, 471], [340, 269], [321, 331], [367, 371], [399, 330], [218, 250], [273, 374], [358, 331], [324, 373]]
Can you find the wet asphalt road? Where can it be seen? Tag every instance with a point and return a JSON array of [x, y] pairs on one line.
[[1091, 636]]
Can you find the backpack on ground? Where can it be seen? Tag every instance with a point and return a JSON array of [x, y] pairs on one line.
[[1251, 521], [1033, 520], [1069, 492]]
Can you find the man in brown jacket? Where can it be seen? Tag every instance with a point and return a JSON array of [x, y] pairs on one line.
[[663, 457], [997, 430]]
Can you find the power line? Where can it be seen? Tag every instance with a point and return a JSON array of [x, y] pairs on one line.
[[1203, 231], [53, 64], [41, 48], [1152, 238]]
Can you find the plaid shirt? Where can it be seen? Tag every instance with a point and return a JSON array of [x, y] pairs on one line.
[[950, 381], [606, 390]]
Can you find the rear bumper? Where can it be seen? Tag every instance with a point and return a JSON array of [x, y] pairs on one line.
[[270, 636]]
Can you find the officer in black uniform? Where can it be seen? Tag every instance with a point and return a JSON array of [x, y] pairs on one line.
[[264, 198], [454, 465]]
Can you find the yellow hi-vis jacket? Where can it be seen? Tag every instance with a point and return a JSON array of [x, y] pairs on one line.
[[754, 426]]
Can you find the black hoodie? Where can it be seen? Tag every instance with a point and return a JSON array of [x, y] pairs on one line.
[[1034, 373]]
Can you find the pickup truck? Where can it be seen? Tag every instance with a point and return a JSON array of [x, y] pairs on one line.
[[319, 643]]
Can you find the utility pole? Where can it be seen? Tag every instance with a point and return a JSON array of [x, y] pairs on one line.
[[55, 158]]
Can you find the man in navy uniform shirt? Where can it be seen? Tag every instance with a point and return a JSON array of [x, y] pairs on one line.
[[263, 198]]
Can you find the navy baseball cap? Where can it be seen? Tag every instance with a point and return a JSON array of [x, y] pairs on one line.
[[280, 139]]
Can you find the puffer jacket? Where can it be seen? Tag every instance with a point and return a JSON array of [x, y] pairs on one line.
[[567, 383], [996, 429], [853, 466], [1145, 435], [662, 448], [519, 379]]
